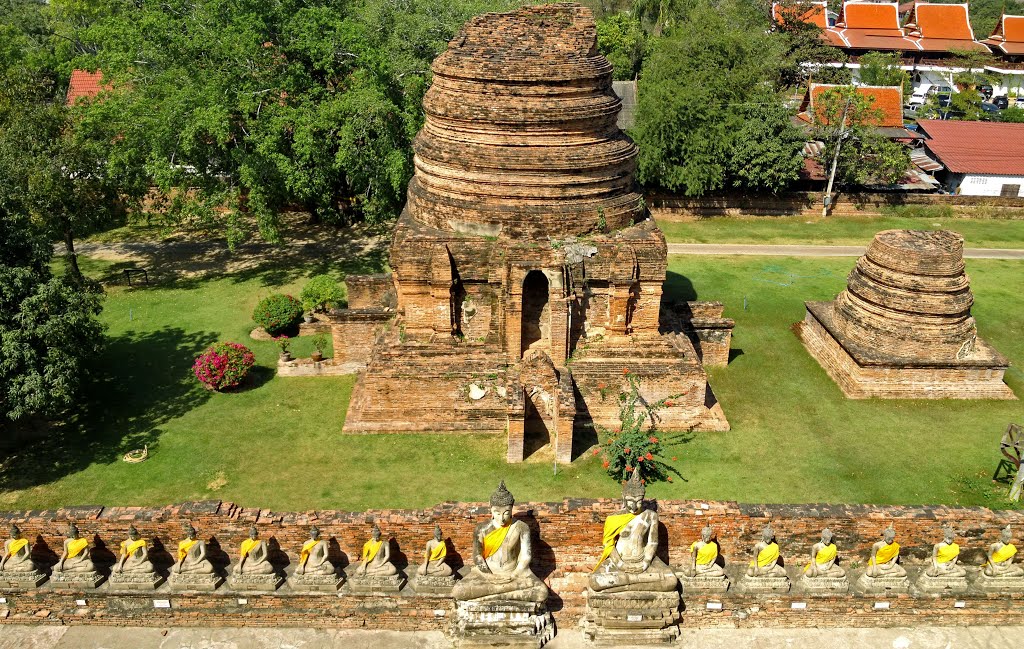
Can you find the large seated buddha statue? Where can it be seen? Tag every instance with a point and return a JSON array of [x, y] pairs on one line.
[[133, 569], [822, 572], [75, 564], [193, 569], [766, 573], [628, 561], [944, 572], [375, 572], [254, 571], [999, 572], [17, 567], [435, 576], [884, 573], [315, 571], [501, 558]]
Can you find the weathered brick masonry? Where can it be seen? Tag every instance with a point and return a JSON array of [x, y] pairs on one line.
[[567, 538]]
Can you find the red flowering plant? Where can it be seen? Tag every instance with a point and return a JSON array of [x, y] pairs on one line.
[[636, 445], [223, 365]]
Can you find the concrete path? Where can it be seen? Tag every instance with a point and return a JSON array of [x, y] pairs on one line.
[[815, 251], [89, 637]]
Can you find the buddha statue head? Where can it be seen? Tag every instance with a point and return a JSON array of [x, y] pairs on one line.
[[253, 533], [706, 534], [189, 531], [375, 532], [633, 492], [826, 536], [16, 531], [133, 533], [502, 501], [1005, 536], [767, 534], [437, 532], [73, 531], [314, 533], [947, 533]]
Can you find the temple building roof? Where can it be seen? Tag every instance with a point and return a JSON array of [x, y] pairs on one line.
[[887, 100], [84, 84], [871, 26], [941, 28], [1008, 36]]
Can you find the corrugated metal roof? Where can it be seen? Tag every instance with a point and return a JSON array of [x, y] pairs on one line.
[[976, 147], [921, 158]]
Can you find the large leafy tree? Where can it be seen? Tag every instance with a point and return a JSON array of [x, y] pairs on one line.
[[622, 39]]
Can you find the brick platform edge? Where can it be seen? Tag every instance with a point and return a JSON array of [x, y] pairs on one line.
[[567, 538]]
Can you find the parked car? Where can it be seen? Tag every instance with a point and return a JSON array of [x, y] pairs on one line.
[[986, 92], [920, 96], [990, 112], [1001, 102], [944, 100]]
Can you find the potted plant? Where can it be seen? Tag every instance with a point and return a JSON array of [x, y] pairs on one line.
[[307, 307], [283, 342], [319, 344]]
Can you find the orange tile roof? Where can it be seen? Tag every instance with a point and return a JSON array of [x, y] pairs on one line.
[[802, 12], [85, 84], [869, 15], [975, 147], [887, 99], [942, 27], [1008, 35]]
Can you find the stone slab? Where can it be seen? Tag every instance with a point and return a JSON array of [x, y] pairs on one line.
[[255, 583], [883, 585], [502, 624], [83, 580], [766, 585], [824, 585], [432, 585], [129, 581], [187, 582], [315, 583], [22, 580], [999, 584], [703, 585], [375, 585], [941, 585]]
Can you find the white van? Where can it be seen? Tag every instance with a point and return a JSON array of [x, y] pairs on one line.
[[921, 95]]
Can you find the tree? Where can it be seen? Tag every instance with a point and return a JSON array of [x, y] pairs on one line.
[[881, 69], [767, 148], [623, 41], [806, 54]]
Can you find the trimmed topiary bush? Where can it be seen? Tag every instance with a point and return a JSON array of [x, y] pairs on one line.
[[320, 293], [277, 313], [223, 365]]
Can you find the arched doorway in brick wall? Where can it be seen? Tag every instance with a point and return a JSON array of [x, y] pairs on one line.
[[536, 324]]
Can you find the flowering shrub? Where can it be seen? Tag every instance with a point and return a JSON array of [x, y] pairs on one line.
[[635, 446], [320, 293], [223, 365], [277, 312]]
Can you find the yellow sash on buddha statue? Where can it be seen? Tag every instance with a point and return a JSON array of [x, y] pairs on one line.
[[707, 553], [947, 553], [494, 539], [613, 526], [17, 544], [307, 547], [129, 547], [823, 556], [767, 555], [885, 554], [439, 552], [370, 549], [76, 546], [248, 546], [1004, 553], [185, 546]]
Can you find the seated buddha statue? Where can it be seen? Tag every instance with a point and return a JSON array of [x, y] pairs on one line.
[[945, 557], [501, 557], [313, 558], [628, 561], [1000, 557], [823, 559], [376, 557], [17, 554], [76, 556], [253, 556], [133, 556], [704, 557], [766, 557], [192, 555], [885, 555], [434, 554]]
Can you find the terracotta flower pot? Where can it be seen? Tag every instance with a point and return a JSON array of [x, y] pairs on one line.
[[317, 357]]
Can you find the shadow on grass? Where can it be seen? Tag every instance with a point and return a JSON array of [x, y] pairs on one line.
[[678, 288], [140, 382]]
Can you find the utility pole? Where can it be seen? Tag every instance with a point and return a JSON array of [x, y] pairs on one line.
[[827, 198]]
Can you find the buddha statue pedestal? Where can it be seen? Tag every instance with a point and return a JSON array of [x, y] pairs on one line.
[[999, 584], [201, 582], [77, 580], [765, 585], [942, 584], [10, 580], [825, 585], [135, 581], [315, 583], [255, 583], [374, 584], [883, 585], [631, 618], [704, 584], [433, 585], [502, 623]]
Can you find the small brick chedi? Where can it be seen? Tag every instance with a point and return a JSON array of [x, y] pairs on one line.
[[903, 328], [527, 272]]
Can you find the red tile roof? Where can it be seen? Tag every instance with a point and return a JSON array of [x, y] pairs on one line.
[[802, 12], [887, 99], [85, 84], [942, 27], [975, 147], [1008, 35]]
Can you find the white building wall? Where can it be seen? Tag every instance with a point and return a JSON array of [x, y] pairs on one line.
[[984, 184]]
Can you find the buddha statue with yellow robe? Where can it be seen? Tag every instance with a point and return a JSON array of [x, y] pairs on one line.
[[133, 555], [434, 554], [766, 557], [824, 556], [191, 558], [314, 556], [17, 554], [501, 558], [999, 563], [376, 557], [76, 556], [885, 556], [703, 561], [945, 557], [253, 556], [628, 560]]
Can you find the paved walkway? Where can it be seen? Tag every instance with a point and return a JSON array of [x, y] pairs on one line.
[[88, 637], [815, 251]]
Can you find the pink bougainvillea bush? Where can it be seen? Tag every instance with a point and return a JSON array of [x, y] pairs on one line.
[[223, 365]]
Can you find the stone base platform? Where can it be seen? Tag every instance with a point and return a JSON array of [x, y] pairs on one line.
[[130, 581], [883, 585], [375, 585], [703, 585], [315, 583], [999, 584], [76, 580], [188, 582], [255, 583], [941, 585], [861, 376], [824, 585], [22, 580], [432, 585], [631, 618], [761, 585], [502, 624]]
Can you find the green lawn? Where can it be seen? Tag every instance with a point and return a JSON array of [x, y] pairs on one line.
[[278, 443], [838, 230]]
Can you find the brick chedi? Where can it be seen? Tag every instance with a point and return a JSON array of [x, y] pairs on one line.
[[527, 271], [903, 326]]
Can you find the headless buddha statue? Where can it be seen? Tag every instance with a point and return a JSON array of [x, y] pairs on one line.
[[1000, 557], [192, 555], [313, 558], [501, 554], [17, 554], [133, 555], [253, 556], [628, 561], [704, 557], [376, 557], [766, 557], [945, 557], [76, 556], [885, 556], [434, 554], [823, 559]]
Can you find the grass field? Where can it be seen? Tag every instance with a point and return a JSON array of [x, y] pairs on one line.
[[277, 444], [838, 230]]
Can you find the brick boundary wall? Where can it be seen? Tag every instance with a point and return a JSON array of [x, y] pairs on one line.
[[566, 544]]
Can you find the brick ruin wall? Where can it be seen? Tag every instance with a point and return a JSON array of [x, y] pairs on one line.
[[566, 544]]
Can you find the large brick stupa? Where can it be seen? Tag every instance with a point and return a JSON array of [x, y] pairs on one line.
[[527, 271]]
